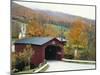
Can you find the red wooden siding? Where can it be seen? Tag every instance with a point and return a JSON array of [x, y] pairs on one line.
[[39, 55]]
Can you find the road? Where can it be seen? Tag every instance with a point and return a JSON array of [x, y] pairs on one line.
[[61, 66]]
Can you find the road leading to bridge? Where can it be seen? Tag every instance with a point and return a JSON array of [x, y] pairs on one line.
[[61, 66]]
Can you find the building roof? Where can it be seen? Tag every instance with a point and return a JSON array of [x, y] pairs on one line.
[[35, 40]]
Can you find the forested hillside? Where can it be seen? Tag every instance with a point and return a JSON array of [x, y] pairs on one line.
[[79, 31], [43, 17]]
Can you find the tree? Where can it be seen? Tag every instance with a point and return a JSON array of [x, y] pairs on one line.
[[34, 29], [13, 61], [50, 30], [78, 36], [22, 59], [91, 42], [26, 55], [28, 51]]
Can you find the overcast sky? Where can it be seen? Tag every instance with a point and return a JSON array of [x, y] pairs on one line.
[[83, 11]]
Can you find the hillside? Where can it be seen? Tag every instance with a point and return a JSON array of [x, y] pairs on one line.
[[18, 10], [45, 16]]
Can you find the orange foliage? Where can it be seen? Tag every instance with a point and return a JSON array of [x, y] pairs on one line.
[[34, 29], [78, 34]]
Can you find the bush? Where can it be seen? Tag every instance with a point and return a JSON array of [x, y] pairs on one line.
[[32, 66], [84, 55], [92, 55], [88, 55], [69, 56], [20, 65]]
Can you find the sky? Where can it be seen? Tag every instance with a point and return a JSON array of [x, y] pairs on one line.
[[83, 11]]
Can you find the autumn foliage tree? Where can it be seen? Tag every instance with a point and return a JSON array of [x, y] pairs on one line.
[[51, 31], [34, 29], [28, 52], [22, 59], [78, 36]]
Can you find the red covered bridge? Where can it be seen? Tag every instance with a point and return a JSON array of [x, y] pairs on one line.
[[45, 48]]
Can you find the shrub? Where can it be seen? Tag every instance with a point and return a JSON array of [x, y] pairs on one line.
[[69, 56], [88, 55], [20, 65]]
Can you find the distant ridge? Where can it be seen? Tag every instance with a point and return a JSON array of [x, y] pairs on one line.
[[19, 10]]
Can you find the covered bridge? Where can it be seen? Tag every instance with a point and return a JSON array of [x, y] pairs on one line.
[[46, 48]]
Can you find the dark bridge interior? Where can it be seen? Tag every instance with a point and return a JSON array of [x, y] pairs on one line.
[[51, 52]]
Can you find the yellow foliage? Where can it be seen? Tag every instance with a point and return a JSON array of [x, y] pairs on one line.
[[34, 29], [51, 31], [78, 34]]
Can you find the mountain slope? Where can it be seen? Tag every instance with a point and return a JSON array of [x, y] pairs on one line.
[[18, 10]]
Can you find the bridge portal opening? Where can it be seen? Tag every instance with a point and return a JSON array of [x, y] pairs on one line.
[[53, 52]]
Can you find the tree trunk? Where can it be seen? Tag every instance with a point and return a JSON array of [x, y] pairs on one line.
[[75, 53]]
